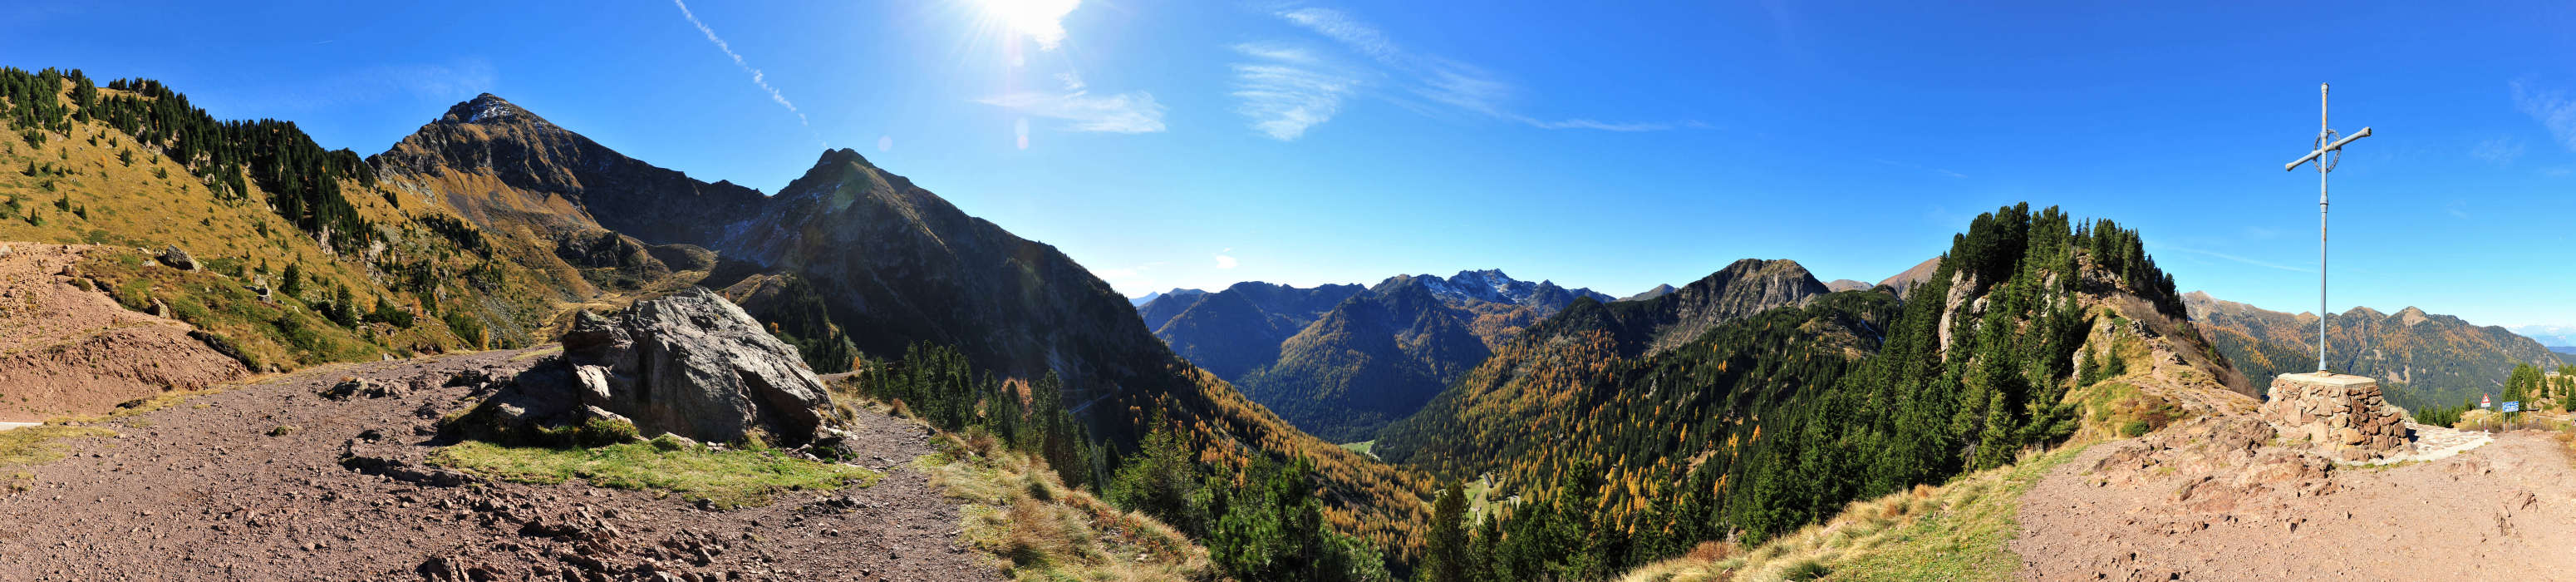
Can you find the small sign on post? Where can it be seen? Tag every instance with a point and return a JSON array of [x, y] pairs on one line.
[[2515, 406], [2485, 402]]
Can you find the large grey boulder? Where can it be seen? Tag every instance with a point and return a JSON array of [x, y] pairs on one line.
[[690, 364], [175, 257]]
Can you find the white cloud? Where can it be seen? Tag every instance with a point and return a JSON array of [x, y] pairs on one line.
[[1580, 123], [1224, 261], [1287, 90], [757, 77], [2500, 151], [1134, 112], [1341, 27], [2551, 107], [885, 143]]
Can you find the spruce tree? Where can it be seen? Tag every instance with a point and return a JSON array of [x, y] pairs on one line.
[[1445, 551]]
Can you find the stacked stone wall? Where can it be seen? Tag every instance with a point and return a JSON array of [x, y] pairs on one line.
[[2346, 416]]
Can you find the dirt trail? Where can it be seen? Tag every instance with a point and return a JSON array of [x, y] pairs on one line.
[[201, 491], [2505, 510], [67, 350]]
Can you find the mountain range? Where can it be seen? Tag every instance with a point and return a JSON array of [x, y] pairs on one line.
[[2421, 359], [1340, 361]]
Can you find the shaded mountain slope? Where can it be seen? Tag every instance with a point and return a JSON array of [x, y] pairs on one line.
[[1369, 361], [1236, 330]]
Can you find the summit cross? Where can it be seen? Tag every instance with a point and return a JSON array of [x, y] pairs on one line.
[[2329, 150]]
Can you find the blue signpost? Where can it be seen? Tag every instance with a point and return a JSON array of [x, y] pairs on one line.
[[2515, 406]]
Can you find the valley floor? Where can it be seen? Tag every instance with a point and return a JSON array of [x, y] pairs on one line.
[[2502, 511], [249, 482]]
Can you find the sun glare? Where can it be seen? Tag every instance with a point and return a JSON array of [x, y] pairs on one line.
[[1041, 20]]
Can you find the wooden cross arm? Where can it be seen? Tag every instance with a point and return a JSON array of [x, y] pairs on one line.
[[2338, 144]]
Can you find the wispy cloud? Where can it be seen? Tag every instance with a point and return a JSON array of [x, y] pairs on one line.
[[2500, 151], [1225, 261], [2220, 255], [451, 81], [1919, 167], [757, 78], [2551, 107], [1286, 90], [1134, 112]]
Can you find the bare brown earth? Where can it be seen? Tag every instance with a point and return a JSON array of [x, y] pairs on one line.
[[202, 491], [65, 350], [2214, 500]]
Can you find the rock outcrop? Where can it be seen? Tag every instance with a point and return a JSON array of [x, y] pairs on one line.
[[690, 364], [179, 259], [2340, 414]]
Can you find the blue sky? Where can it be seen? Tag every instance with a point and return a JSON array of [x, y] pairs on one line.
[[1614, 146]]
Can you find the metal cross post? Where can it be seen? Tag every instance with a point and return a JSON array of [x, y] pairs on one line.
[[2329, 151]]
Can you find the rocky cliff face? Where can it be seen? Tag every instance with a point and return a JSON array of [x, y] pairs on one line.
[[1745, 288]]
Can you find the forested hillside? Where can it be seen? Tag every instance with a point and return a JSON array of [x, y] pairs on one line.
[[1763, 424]]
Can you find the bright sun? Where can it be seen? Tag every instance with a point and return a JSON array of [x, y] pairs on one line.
[[1041, 20]]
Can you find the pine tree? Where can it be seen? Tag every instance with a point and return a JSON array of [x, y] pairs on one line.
[[1445, 550]]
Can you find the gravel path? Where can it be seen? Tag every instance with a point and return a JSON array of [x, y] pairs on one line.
[[2503, 511], [202, 491]]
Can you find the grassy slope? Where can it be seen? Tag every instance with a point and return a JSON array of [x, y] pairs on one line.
[[1957, 531], [152, 202]]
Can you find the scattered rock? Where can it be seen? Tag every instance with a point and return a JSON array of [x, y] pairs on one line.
[[354, 387]]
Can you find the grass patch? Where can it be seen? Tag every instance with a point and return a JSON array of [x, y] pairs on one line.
[[1958, 531], [30, 445], [728, 479], [1020, 515]]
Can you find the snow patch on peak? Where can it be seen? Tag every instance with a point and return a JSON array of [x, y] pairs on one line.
[[494, 109]]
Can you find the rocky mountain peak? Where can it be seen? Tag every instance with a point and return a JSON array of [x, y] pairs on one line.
[[842, 156], [485, 109]]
